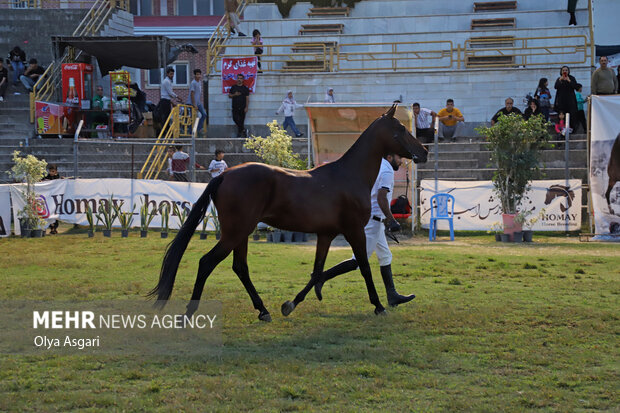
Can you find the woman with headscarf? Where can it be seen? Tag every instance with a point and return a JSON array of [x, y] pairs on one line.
[[329, 96], [532, 109], [288, 106], [565, 99]]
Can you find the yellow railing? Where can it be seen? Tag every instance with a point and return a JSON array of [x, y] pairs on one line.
[[90, 25], [321, 59], [395, 56], [221, 34], [179, 124]]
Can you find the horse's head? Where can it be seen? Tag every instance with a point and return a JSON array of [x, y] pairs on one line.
[[398, 140]]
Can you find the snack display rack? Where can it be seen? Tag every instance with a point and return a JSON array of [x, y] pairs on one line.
[[120, 103]]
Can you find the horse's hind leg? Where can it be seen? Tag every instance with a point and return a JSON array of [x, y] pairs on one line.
[[322, 248], [207, 264], [240, 267], [610, 186], [358, 243]]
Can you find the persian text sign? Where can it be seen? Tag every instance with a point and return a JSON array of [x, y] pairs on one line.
[[232, 66], [477, 208]]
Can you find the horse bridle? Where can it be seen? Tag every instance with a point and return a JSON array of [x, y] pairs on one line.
[[400, 139]]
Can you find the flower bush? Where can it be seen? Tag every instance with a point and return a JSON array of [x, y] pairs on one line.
[[276, 149], [29, 170]]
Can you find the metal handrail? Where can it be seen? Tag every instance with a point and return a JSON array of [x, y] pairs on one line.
[[221, 34], [411, 55], [179, 123], [270, 60]]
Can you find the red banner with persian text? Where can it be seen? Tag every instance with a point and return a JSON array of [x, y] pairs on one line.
[[232, 66]]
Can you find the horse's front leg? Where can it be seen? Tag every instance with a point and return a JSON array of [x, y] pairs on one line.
[[357, 239], [322, 248]]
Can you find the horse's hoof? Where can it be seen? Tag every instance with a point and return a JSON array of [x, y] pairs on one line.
[[266, 317], [317, 290], [287, 308], [380, 311]]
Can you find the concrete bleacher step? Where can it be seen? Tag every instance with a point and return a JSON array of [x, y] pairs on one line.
[[313, 47], [305, 66], [491, 41], [328, 12], [498, 23], [336, 28], [486, 61], [494, 5]]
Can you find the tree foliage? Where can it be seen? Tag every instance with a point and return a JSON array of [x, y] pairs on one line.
[[515, 146], [29, 170], [276, 149]]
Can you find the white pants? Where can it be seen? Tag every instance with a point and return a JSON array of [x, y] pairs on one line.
[[376, 242]]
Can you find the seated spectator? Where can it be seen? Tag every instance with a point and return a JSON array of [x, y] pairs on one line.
[[424, 123], [508, 109], [17, 58], [52, 173], [560, 127], [449, 118], [218, 165], [4, 80], [32, 74], [100, 104], [532, 109]]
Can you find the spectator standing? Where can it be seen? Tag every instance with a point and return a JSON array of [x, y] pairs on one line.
[[532, 109], [171, 151], [194, 98], [604, 80], [180, 161], [565, 100], [52, 173], [580, 119], [32, 74], [4, 80], [288, 106], [449, 118], [231, 15], [257, 42], [17, 57], [100, 104], [329, 96], [570, 8], [167, 96], [218, 165], [424, 123], [543, 95], [508, 109], [240, 95]]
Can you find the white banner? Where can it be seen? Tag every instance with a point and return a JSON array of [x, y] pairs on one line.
[[5, 211], [477, 208], [605, 164], [67, 200]]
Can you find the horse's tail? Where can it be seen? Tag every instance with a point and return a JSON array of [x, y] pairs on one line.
[[175, 250]]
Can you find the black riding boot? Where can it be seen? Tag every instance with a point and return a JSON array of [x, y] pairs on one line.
[[343, 267], [393, 297]]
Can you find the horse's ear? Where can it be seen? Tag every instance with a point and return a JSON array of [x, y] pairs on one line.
[[390, 113]]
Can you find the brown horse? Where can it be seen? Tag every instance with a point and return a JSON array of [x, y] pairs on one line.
[[613, 171], [328, 200]]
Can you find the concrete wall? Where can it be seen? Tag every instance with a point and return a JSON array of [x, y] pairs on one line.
[[477, 93]]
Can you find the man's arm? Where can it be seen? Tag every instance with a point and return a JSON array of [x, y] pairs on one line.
[[384, 204], [247, 103], [193, 98]]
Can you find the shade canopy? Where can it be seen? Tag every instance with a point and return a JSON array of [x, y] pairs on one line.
[[112, 53]]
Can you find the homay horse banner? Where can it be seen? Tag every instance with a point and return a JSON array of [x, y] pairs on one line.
[[477, 208], [605, 165], [67, 200]]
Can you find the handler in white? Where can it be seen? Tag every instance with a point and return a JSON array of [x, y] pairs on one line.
[[375, 233]]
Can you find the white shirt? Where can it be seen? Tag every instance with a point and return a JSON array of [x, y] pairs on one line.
[[424, 119], [288, 107], [166, 89], [385, 179], [219, 165]]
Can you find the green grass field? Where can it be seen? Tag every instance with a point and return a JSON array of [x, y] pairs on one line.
[[494, 327]]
